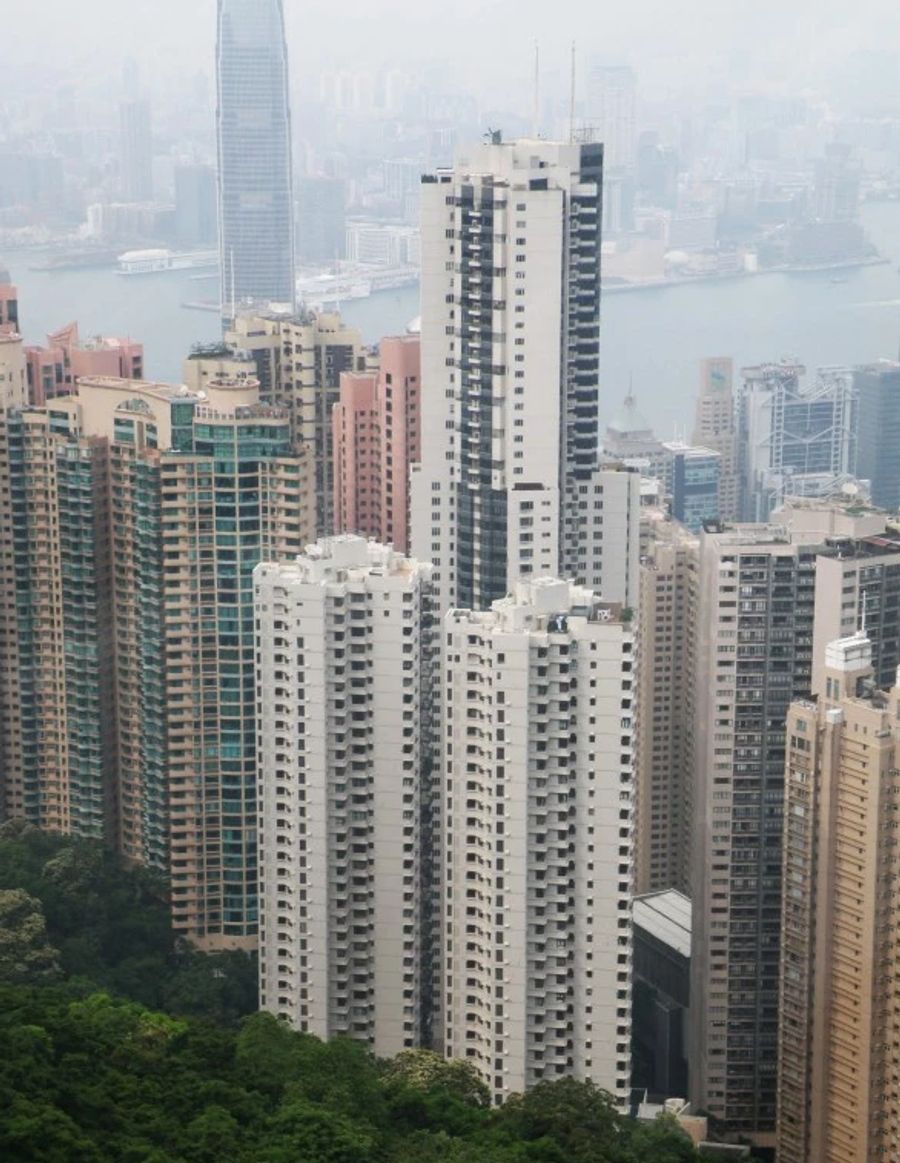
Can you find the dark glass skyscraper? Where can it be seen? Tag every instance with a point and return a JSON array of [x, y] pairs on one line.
[[256, 235]]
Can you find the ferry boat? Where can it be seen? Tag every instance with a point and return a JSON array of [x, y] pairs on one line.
[[156, 261], [327, 290]]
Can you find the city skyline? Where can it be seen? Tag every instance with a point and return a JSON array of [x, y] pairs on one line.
[[411, 666]]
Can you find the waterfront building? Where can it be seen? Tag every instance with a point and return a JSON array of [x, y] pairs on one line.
[[256, 209], [345, 682], [321, 220], [611, 108], [759, 615], [135, 151], [795, 438], [377, 436], [839, 1038], [510, 356], [714, 428], [535, 839], [878, 386], [195, 206]]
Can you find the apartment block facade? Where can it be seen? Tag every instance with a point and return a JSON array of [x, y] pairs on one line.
[[299, 361], [138, 512], [510, 354], [757, 619], [536, 839], [665, 707], [54, 370], [377, 437], [345, 685], [839, 1040]]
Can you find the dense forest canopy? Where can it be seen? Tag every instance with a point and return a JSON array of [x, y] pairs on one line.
[[120, 1047]]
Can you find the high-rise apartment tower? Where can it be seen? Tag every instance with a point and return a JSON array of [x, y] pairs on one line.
[[510, 355], [714, 428], [535, 839], [345, 642], [760, 613], [839, 1037]]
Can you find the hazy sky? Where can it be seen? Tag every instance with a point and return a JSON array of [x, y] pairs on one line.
[[670, 41]]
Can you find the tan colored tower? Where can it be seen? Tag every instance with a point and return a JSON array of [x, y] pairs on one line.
[[839, 1039], [665, 706], [714, 428], [299, 360], [13, 395], [757, 616]]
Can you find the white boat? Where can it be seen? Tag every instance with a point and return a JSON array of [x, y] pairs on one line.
[[157, 260], [326, 290]]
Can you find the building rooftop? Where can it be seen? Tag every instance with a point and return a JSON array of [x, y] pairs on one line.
[[630, 420], [545, 605], [345, 557], [139, 387], [667, 916]]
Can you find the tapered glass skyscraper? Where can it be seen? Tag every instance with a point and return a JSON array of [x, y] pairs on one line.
[[256, 234]]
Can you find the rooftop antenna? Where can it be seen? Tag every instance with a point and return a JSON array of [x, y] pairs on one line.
[[572, 100], [536, 126]]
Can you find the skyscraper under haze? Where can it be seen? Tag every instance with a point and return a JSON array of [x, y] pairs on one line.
[[256, 234], [135, 151]]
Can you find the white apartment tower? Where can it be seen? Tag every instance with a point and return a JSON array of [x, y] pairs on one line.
[[536, 839], [344, 686], [510, 354]]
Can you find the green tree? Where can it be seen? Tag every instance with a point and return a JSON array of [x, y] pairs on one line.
[[577, 1118], [302, 1131], [662, 1141], [25, 950], [426, 1070]]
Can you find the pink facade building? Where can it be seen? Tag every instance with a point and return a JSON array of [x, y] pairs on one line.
[[355, 433], [54, 369], [377, 436]]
